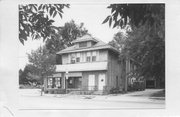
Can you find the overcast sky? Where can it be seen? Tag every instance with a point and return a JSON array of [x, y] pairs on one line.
[[92, 15]]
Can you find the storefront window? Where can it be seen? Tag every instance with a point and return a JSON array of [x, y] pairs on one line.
[[54, 82], [57, 83], [49, 82]]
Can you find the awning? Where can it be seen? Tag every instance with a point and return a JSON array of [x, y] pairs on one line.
[[91, 66], [55, 75], [76, 74]]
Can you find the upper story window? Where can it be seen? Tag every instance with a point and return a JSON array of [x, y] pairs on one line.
[[73, 58], [78, 57], [94, 56], [88, 57], [83, 44]]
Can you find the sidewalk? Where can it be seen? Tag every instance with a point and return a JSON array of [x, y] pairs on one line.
[[137, 96], [110, 97]]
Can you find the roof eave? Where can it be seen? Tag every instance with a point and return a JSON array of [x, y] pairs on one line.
[[87, 49], [77, 41]]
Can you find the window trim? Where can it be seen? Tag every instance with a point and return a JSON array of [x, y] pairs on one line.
[[82, 44]]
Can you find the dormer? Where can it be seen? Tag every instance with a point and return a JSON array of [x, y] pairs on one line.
[[85, 41]]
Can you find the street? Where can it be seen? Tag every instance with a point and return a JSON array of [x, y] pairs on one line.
[[31, 99], [32, 104]]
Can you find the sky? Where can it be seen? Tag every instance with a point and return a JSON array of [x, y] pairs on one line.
[[92, 15]]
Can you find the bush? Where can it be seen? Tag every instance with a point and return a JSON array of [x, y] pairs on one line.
[[114, 90]]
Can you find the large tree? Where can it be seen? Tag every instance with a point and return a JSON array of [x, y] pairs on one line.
[[42, 61], [118, 40], [64, 35], [28, 75], [146, 41], [35, 20]]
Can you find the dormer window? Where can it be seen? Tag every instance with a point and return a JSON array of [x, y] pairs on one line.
[[83, 44]]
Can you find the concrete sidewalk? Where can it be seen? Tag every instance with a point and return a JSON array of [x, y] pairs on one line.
[[137, 96]]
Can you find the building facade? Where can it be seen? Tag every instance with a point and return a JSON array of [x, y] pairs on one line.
[[90, 65]]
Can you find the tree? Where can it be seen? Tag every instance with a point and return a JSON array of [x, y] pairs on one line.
[[21, 77], [35, 22], [29, 75], [135, 14], [118, 40], [64, 36], [42, 61], [146, 42]]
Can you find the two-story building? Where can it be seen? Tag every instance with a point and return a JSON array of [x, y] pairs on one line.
[[88, 65]]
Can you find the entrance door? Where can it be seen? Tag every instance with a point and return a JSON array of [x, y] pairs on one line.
[[74, 82], [101, 82], [91, 82]]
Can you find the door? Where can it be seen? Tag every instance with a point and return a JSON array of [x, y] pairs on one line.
[[91, 82], [101, 82]]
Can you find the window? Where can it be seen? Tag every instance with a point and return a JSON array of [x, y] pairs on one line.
[[73, 59], [49, 82], [88, 58], [83, 44], [94, 56], [78, 57], [57, 82]]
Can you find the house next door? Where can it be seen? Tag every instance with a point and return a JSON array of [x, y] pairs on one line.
[[101, 82]]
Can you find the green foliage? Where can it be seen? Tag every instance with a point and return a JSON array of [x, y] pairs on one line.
[[118, 40], [42, 61], [63, 36], [28, 75], [145, 43], [134, 14], [34, 20], [148, 48]]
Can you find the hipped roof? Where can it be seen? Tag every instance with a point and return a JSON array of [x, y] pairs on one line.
[[98, 45]]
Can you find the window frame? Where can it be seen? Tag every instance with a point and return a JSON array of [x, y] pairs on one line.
[[82, 44], [78, 59]]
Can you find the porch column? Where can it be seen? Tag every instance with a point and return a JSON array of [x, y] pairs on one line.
[[45, 83], [66, 78]]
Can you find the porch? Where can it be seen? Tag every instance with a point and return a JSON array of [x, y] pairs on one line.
[[77, 82]]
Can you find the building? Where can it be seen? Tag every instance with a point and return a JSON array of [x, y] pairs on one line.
[[90, 65]]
